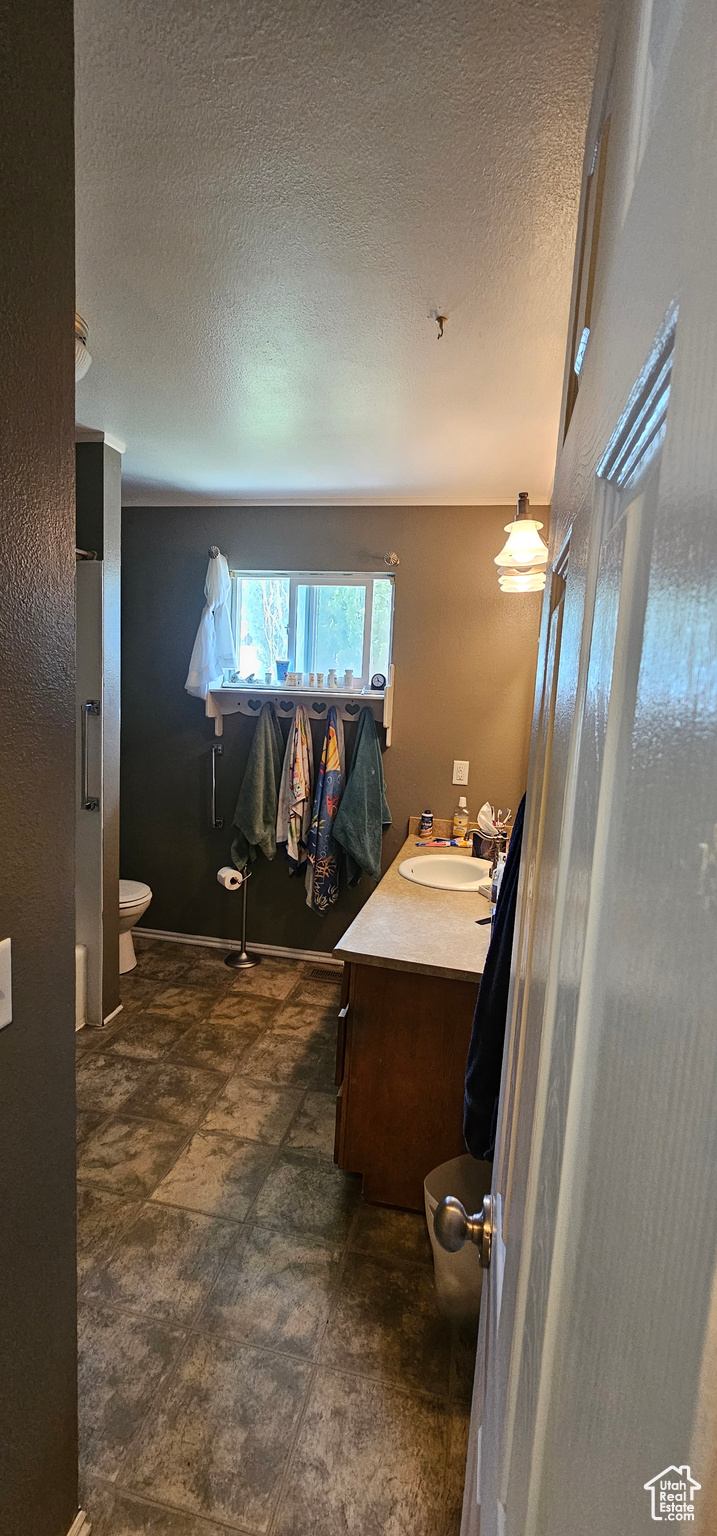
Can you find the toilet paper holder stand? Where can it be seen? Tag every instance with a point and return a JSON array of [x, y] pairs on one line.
[[238, 959]]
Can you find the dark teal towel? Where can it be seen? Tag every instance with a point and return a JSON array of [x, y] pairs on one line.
[[363, 812], [255, 815]]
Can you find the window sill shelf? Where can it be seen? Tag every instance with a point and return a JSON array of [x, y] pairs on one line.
[[272, 690], [246, 699]]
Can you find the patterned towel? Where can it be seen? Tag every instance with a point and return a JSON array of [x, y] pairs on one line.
[[293, 819], [322, 875]]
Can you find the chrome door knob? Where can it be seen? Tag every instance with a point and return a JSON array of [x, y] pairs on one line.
[[454, 1227]]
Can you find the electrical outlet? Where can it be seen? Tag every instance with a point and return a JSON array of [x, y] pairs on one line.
[[460, 772], [5, 983]]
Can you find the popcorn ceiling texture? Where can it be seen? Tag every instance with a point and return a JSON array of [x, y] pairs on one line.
[[273, 198]]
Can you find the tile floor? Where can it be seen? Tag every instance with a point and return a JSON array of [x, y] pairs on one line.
[[260, 1352]]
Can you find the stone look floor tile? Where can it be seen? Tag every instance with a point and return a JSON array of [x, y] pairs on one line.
[[138, 991], [315, 1125], [164, 1264], [114, 1513], [217, 1174], [458, 1427], [176, 1093], [167, 962], [104, 1082], [398, 1236], [463, 1363], [386, 1323], [88, 1121], [122, 1361], [275, 1290], [302, 1019], [86, 1038], [183, 1002], [324, 1079], [198, 1432], [219, 1439], [254, 1111], [147, 1037], [369, 1461], [205, 957], [284, 1059], [130, 1156], [305, 1194], [323, 995], [237, 1008], [218, 1046], [271, 978], [101, 1218]]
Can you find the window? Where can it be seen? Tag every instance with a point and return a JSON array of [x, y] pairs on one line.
[[312, 622]]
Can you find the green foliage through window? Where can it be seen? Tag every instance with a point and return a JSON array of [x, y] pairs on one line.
[[312, 623]]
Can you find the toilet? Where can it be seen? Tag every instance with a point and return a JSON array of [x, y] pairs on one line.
[[134, 899]]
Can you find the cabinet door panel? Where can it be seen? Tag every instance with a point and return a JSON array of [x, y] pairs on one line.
[[402, 1099]]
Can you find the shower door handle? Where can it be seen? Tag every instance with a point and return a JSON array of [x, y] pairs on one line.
[[89, 802], [217, 821]]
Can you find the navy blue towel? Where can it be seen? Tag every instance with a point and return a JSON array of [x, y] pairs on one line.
[[485, 1052]]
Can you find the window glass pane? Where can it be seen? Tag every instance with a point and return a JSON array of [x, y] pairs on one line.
[[339, 628], [264, 622], [381, 627]]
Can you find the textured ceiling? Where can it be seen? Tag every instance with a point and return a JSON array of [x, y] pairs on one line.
[[273, 198]]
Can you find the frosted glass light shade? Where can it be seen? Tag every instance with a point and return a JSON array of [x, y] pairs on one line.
[[82, 354], [512, 580], [82, 359], [524, 548]]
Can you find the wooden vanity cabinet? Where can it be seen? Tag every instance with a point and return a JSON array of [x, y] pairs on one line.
[[400, 1070]]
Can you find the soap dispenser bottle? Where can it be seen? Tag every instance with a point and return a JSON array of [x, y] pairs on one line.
[[460, 819]]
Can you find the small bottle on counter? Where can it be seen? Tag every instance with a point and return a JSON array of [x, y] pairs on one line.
[[498, 873], [426, 827], [460, 819]]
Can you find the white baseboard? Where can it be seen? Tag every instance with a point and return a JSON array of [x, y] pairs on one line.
[[80, 1525], [314, 956], [113, 1014]]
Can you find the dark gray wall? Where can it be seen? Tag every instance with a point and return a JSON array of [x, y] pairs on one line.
[[465, 662], [38, 1440]]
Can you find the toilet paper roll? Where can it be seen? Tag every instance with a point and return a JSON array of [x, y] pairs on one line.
[[230, 878]]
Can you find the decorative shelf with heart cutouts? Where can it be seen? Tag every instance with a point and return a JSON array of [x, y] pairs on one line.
[[239, 699]]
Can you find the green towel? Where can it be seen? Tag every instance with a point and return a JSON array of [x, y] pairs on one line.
[[363, 812], [255, 815]]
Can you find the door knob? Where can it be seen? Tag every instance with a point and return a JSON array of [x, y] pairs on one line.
[[454, 1227]]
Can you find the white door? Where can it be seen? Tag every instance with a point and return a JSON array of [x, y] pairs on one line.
[[597, 1338]]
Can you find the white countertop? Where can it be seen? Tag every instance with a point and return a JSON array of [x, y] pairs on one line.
[[409, 927]]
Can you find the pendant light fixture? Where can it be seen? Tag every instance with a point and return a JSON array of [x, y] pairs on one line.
[[82, 354], [523, 558]]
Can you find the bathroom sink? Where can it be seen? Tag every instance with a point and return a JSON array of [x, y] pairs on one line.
[[446, 871]]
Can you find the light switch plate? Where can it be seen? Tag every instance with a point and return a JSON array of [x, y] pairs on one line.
[[460, 772], [5, 983]]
